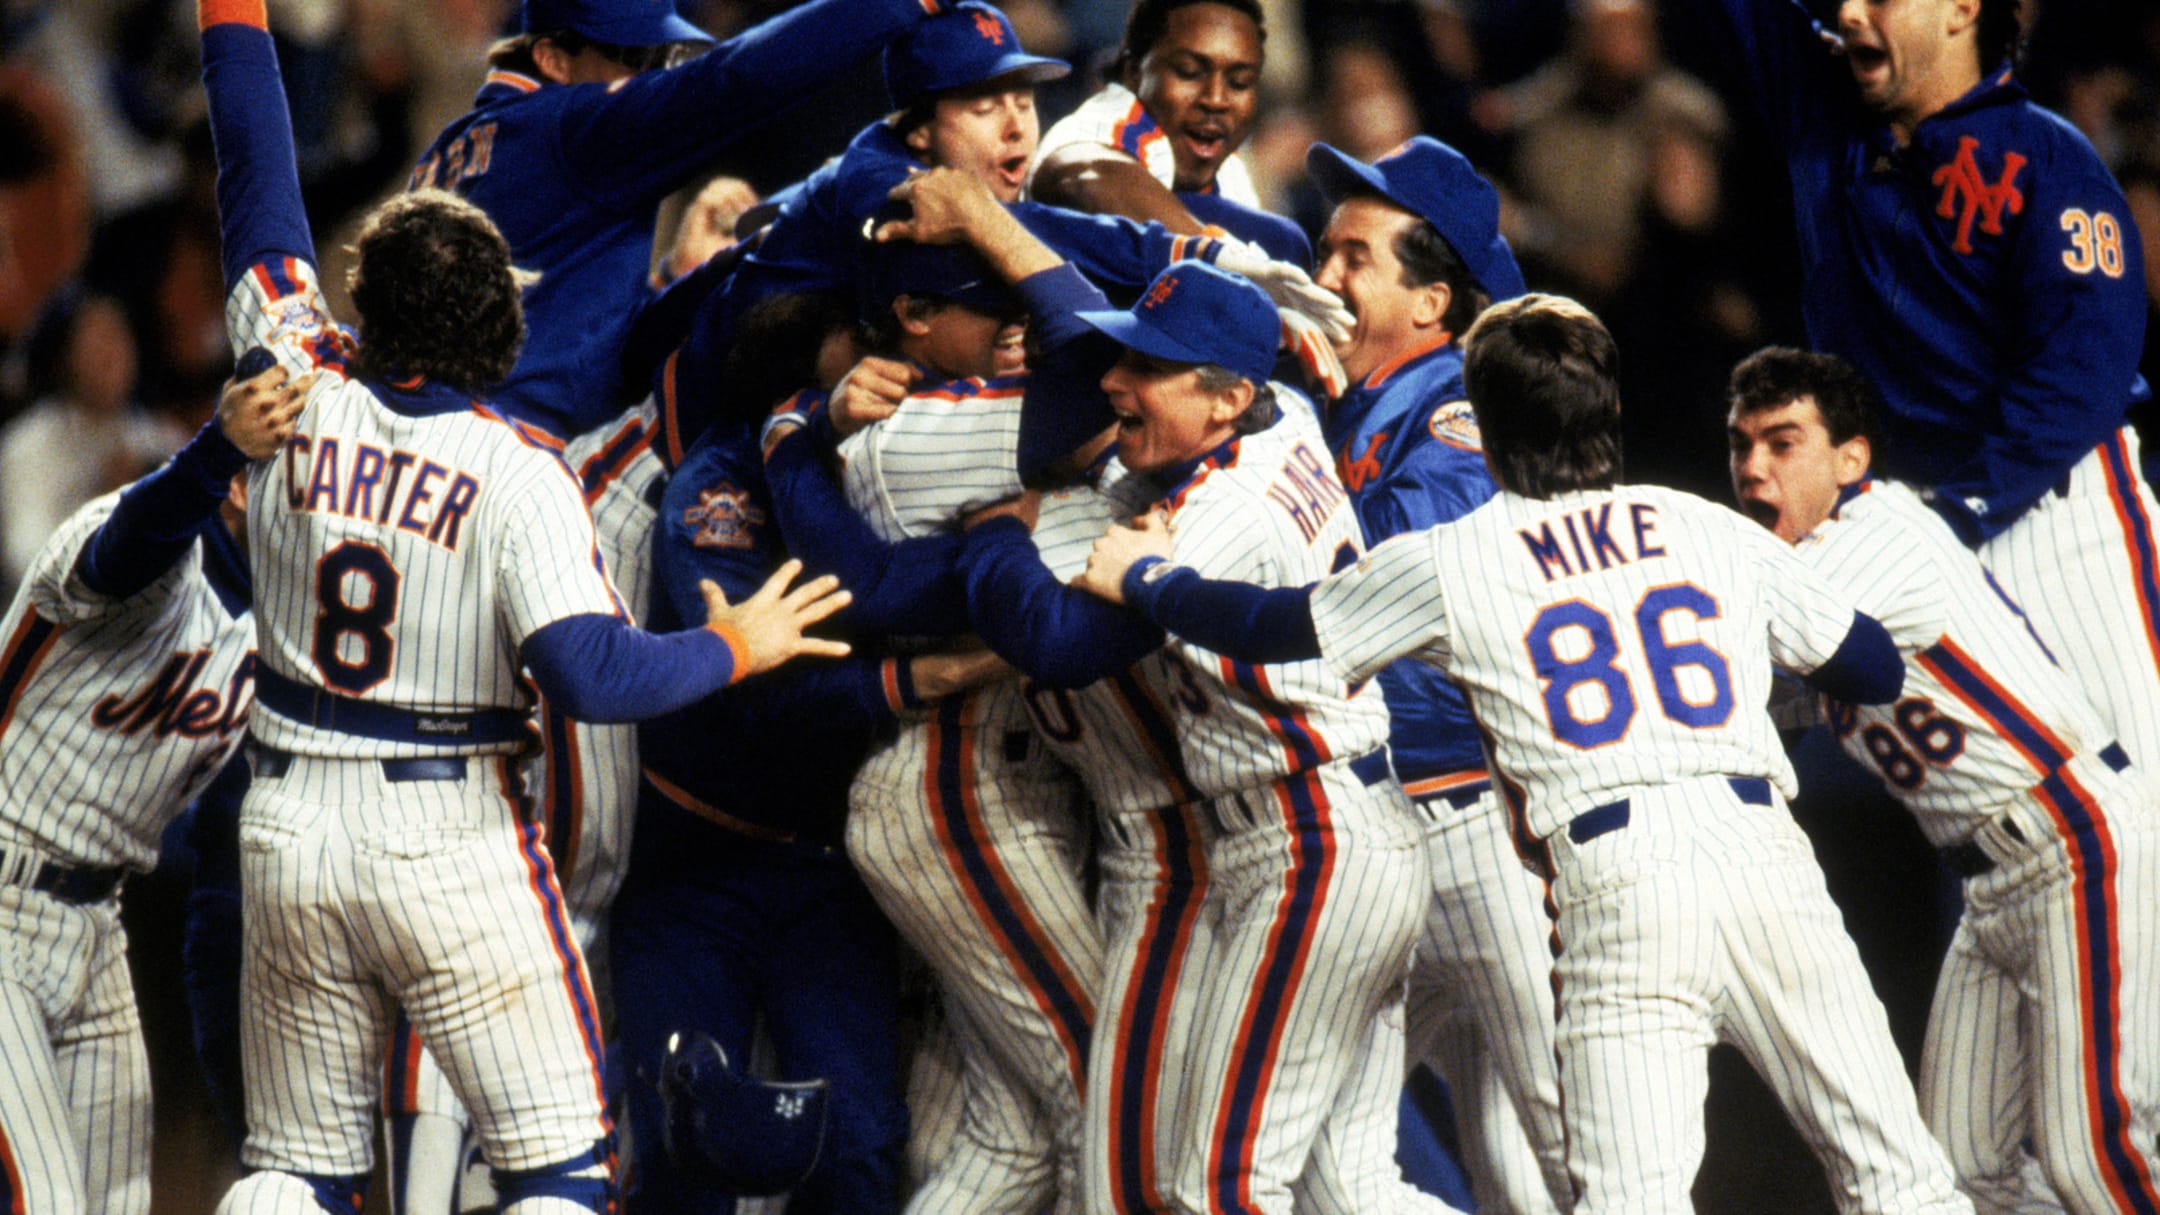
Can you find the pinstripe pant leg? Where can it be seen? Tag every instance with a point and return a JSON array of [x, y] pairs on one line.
[[1634, 1035], [105, 1072], [2095, 986], [1800, 1007], [1488, 946], [45, 956], [1975, 1086], [313, 1024], [1352, 1168]]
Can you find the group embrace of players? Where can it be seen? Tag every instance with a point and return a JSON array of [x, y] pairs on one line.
[[1230, 698]]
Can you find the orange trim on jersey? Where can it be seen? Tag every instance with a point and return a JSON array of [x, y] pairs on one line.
[[540, 875], [1015, 902], [19, 662], [401, 1069], [670, 424], [1379, 375], [516, 80], [2022, 719], [232, 12], [713, 814], [983, 391], [889, 677], [565, 771], [1442, 784], [10, 1177]]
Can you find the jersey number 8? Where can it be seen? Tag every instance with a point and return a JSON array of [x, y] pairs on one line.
[[350, 622], [1706, 702]]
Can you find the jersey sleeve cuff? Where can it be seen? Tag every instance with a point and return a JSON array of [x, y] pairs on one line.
[[1140, 589], [898, 678], [738, 651]]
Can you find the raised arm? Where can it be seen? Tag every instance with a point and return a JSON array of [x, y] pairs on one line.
[[650, 135]]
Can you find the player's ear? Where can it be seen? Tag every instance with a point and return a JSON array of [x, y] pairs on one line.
[[1430, 303], [1852, 458], [552, 60], [1231, 403], [914, 320], [917, 139], [1960, 16]]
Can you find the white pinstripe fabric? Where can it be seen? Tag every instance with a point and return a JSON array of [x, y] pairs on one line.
[[986, 887], [2025, 1038], [1483, 973], [1463, 596], [75, 1108], [2082, 566], [2013, 1050], [115, 723], [1705, 919], [352, 881]]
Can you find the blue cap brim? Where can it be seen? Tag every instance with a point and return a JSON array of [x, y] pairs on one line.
[[1017, 68], [669, 29], [1130, 331], [1339, 176]]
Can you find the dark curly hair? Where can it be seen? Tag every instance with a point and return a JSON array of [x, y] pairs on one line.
[[436, 294], [1776, 376], [1150, 20]]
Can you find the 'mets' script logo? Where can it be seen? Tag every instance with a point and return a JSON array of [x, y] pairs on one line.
[[1966, 195], [171, 703]]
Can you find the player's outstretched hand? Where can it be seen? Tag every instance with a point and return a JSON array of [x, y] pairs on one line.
[[952, 207], [771, 622], [1118, 550], [1290, 287], [871, 391], [258, 413]]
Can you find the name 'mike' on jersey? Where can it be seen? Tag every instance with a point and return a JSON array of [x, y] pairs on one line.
[[1986, 714], [1266, 508], [1606, 640], [400, 504], [93, 768]]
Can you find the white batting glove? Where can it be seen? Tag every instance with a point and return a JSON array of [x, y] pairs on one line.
[[1308, 343], [1288, 286]]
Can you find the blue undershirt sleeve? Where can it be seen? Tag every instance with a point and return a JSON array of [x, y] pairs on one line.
[[599, 668], [158, 517], [1063, 406], [1866, 670], [1056, 635], [1246, 622]]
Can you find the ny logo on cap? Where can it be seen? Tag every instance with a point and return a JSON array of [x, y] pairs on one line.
[[1160, 292], [988, 27], [1963, 185], [790, 1106]]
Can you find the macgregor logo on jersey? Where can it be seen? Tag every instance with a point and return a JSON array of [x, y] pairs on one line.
[[169, 704], [723, 518], [1966, 195]]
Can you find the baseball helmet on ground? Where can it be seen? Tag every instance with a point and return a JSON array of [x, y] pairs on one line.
[[735, 1132]]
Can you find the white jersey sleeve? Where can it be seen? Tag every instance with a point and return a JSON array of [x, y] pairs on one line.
[[1808, 617], [1391, 604], [551, 566], [279, 306], [947, 450]]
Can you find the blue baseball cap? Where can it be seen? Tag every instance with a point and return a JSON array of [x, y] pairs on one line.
[[955, 273], [615, 22], [967, 44], [1435, 183], [1195, 313]]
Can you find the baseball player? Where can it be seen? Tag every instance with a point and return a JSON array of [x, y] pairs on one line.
[[413, 551], [125, 682], [1968, 251], [1160, 141], [2044, 1022], [573, 142], [964, 826], [1414, 249], [1613, 643]]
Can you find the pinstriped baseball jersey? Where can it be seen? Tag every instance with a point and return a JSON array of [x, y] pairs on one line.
[[1266, 508], [1116, 733], [586, 775], [947, 450], [145, 696], [416, 503], [1115, 118], [1985, 708], [1607, 640]]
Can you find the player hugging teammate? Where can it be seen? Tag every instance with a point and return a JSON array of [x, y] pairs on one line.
[[1236, 699]]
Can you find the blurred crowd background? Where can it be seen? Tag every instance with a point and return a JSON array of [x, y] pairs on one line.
[[1633, 174]]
